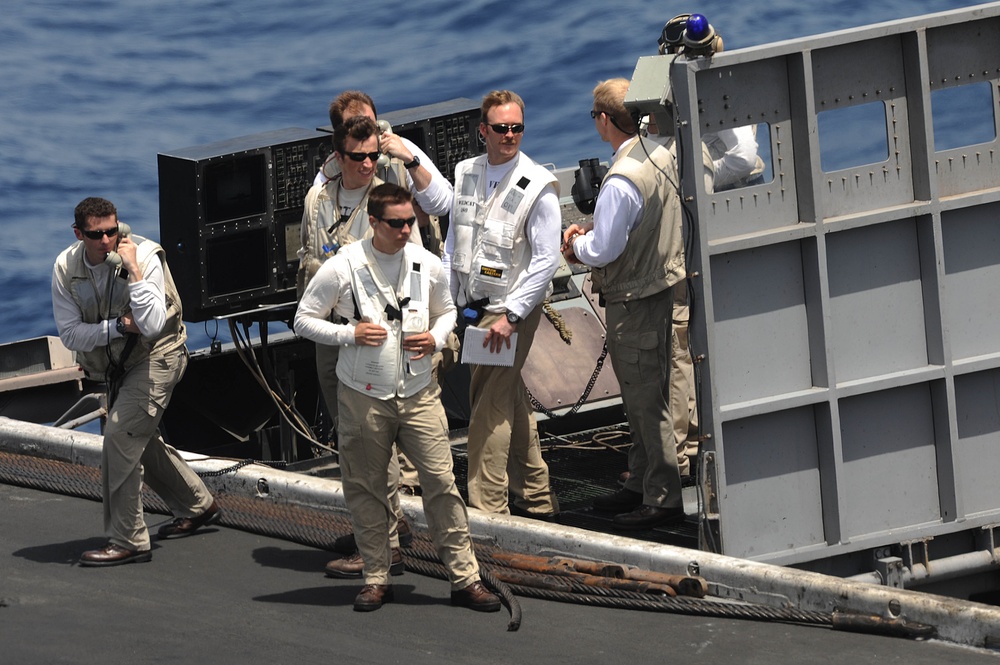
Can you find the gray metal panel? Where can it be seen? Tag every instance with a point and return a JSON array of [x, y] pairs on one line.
[[848, 320]]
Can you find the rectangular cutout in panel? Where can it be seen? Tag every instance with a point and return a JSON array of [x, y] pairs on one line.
[[877, 321], [852, 136], [963, 116]]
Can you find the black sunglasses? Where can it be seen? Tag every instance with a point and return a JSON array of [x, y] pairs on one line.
[[594, 114], [362, 156], [503, 128], [399, 223], [97, 235]]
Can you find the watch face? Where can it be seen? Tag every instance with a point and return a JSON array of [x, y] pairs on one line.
[[512, 317]]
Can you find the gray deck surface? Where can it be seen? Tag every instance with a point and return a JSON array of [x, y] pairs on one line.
[[228, 596]]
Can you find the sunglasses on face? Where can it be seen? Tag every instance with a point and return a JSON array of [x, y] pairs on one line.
[[97, 235], [399, 223], [594, 114], [503, 127], [362, 156]]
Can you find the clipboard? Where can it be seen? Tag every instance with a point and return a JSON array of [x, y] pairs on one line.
[[474, 353]]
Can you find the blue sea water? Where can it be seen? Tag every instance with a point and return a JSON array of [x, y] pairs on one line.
[[91, 92]]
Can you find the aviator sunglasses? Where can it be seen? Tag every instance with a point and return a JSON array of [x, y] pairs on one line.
[[398, 223], [97, 235], [361, 156], [503, 127]]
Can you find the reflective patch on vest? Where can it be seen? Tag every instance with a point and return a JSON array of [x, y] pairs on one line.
[[512, 201], [491, 271], [470, 184]]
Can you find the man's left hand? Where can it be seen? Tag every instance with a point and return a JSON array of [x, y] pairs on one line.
[[499, 334], [422, 344]]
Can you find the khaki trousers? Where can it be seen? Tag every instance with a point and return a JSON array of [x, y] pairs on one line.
[[133, 451], [683, 405], [504, 451], [418, 425], [326, 372], [639, 343]]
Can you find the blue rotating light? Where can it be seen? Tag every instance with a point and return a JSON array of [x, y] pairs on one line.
[[698, 27]]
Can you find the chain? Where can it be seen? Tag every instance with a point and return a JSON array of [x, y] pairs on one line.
[[278, 464], [583, 398]]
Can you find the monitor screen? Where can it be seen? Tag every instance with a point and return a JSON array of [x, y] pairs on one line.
[[235, 187], [237, 262]]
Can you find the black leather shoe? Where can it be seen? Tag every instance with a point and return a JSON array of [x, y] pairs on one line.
[[347, 544], [351, 567], [647, 517], [521, 512], [621, 501], [185, 526], [114, 555], [476, 597], [372, 596]]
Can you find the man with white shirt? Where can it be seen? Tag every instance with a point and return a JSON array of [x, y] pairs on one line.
[[116, 305], [635, 249], [501, 251], [384, 301], [407, 166]]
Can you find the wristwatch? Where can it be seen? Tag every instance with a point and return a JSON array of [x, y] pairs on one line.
[[120, 326], [411, 164], [512, 318]]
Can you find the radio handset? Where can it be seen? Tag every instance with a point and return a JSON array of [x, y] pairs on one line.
[[383, 159], [113, 259]]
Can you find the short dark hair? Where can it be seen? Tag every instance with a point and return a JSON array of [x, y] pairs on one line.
[[385, 195], [347, 100], [359, 128], [92, 206]]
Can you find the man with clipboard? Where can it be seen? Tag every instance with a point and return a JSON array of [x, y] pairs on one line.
[[502, 250]]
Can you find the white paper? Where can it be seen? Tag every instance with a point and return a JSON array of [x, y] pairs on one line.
[[474, 353]]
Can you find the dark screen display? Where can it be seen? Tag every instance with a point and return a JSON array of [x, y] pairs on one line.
[[235, 188], [236, 262]]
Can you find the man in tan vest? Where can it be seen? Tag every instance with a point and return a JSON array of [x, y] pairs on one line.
[[635, 248], [116, 305]]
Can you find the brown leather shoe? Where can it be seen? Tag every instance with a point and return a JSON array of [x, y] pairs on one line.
[[476, 597], [372, 597], [647, 517], [114, 555], [620, 501], [185, 526], [351, 567], [347, 544]]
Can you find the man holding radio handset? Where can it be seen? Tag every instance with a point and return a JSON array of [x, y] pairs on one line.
[[116, 305]]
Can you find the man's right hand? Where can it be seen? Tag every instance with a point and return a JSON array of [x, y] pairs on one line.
[[369, 334]]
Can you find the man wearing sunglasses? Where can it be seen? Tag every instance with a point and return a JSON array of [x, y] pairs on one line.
[[393, 301], [335, 215], [501, 251], [407, 166], [635, 249], [123, 318]]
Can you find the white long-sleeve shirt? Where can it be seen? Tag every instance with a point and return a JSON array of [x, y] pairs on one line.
[[544, 231], [148, 303], [435, 199]]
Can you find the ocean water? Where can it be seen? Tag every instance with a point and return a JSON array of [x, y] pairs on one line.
[[91, 92]]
